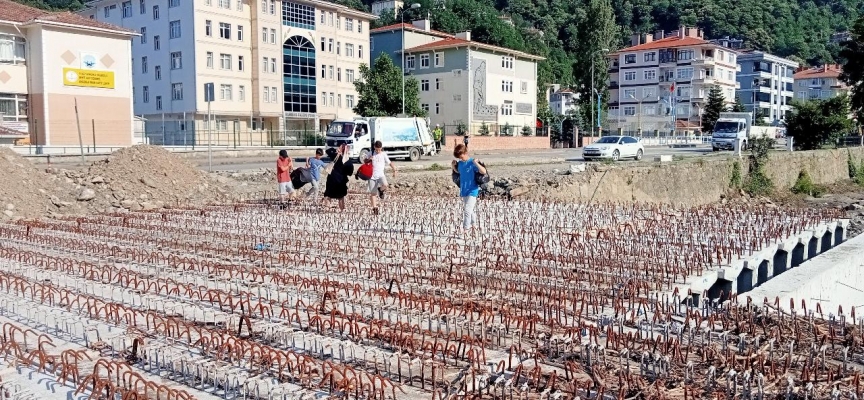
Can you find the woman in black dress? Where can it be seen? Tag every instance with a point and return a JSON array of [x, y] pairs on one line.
[[337, 181]]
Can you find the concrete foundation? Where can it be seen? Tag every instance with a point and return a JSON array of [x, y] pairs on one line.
[[750, 272], [833, 279]]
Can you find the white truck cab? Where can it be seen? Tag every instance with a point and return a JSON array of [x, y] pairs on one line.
[[401, 137]]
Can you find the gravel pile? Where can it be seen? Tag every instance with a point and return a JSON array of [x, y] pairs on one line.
[[29, 192]]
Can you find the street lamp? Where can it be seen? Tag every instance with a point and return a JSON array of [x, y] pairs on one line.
[[413, 6], [639, 115], [594, 91]]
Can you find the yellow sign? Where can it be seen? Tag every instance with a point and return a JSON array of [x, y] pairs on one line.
[[88, 78]]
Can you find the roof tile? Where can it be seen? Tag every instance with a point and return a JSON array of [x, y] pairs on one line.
[[455, 42], [19, 13], [409, 27], [673, 41], [819, 72]]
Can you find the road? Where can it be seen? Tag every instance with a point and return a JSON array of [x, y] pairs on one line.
[[496, 157]]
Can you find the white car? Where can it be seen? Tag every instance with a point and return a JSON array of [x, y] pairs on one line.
[[614, 148]]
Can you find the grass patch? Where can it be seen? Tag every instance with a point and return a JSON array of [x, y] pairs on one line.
[[735, 179], [435, 167], [804, 185]]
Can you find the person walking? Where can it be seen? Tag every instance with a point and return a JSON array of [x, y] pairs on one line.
[[314, 165], [467, 168], [466, 139], [438, 134], [378, 182], [337, 181], [284, 167]]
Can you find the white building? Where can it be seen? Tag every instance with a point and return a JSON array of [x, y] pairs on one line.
[[666, 78], [281, 69], [766, 85], [819, 83], [563, 101], [392, 6]]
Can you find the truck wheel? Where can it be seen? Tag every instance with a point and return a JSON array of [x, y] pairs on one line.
[[414, 154], [363, 154]]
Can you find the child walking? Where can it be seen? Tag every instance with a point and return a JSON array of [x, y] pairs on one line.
[[468, 188]]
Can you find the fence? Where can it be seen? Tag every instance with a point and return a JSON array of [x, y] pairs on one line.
[[233, 139]]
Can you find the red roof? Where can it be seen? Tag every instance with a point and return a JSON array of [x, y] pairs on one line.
[[825, 71], [457, 42], [15, 12], [409, 27], [673, 41]]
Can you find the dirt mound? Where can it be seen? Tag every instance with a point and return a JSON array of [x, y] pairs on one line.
[[146, 177], [29, 192]]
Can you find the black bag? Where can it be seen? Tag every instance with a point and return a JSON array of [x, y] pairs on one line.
[[481, 179], [300, 177], [456, 178]]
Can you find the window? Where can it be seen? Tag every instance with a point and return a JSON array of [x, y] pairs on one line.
[[210, 59], [507, 86], [523, 87], [339, 74], [649, 92], [339, 100], [332, 103], [225, 61], [264, 35], [323, 18], [177, 60], [684, 73], [266, 94], [143, 32], [107, 10], [650, 57], [338, 48], [298, 15], [174, 29], [424, 85], [329, 45], [629, 111], [239, 5], [225, 4], [272, 7], [349, 75], [142, 7], [298, 66], [155, 13], [629, 59], [324, 98], [630, 76], [225, 92], [507, 62], [157, 42], [158, 103], [360, 51], [507, 109], [409, 62], [323, 72], [425, 107], [176, 91], [323, 44], [437, 108], [12, 49], [127, 9], [239, 33], [144, 65], [649, 109], [241, 65], [439, 59], [272, 35], [349, 24], [457, 97], [650, 74], [684, 55], [224, 30], [145, 94], [13, 107], [802, 94], [330, 18], [437, 83], [208, 2], [629, 94], [424, 61], [349, 50], [272, 65], [241, 93], [359, 26], [208, 28], [349, 101], [330, 72], [157, 72]]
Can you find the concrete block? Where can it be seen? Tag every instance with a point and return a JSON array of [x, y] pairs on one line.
[[575, 168], [663, 158]]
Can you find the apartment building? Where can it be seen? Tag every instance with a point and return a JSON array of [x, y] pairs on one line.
[[281, 70], [52, 64], [563, 101], [819, 83], [666, 77], [464, 81], [766, 85], [389, 6]]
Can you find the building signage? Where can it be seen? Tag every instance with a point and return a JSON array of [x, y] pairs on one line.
[[88, 78], [299, 115]]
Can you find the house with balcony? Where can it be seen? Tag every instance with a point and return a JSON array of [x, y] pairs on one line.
[[819, 83], [766, 85], [661, 82], [563, 101]]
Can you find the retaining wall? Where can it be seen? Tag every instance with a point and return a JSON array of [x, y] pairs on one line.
[[500, 142]]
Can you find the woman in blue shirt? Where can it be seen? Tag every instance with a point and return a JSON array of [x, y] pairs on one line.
[[468, 187]]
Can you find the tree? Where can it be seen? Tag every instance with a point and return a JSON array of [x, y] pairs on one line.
[[507, 130], [484, 129], [760, 119], [526, 130], [596, 33], [380, 90], [853, 70], [716, 104], [816, 123], [738, 106]]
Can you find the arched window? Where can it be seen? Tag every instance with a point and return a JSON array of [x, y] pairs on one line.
[[298, 75]]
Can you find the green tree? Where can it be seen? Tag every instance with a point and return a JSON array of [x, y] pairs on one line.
[[380, 90], [760, 119], [597, 33], [853, 70], [526, 130], [738, 106], [484, 129], [816, 123], [716, 104]]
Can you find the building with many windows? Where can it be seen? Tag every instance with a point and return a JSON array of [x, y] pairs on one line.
[[563, 101], [463, 81], [52, 64], [766, 85], [379, 7], [819, 83], [663, 78], [281, 70]]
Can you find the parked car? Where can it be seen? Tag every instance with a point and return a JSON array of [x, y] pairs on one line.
[[614, 148]]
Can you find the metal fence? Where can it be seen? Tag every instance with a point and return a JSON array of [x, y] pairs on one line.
[[234, 139]]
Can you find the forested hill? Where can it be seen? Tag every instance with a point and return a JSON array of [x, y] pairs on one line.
[[565, 30]]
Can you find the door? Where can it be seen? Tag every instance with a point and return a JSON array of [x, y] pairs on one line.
[[628, 146]]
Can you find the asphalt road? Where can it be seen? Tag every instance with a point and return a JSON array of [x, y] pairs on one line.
[[549, 156]]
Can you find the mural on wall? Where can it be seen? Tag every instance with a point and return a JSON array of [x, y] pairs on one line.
[[482, 110]]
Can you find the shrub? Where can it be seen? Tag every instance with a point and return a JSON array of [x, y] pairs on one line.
[[804, 185], [484, 130], [526, 131], [735, 180], [758, 183], [507, 130], [850, 163]]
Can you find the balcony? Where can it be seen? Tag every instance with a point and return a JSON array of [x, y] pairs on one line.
[[613, 84], [703, 80], [703, 61]]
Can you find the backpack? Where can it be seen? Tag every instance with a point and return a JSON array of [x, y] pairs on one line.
[[364, 172]]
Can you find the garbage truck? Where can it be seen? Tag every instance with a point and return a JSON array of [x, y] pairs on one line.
[[407, 138], [734, 126]]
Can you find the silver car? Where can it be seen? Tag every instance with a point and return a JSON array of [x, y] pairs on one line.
[[614, 148]]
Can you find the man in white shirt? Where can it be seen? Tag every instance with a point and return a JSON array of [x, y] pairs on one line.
[[378, 182]]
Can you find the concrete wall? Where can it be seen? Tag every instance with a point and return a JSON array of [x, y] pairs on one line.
[[498, 142]]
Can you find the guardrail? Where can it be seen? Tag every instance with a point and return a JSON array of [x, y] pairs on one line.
[[674, 140]]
